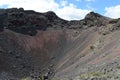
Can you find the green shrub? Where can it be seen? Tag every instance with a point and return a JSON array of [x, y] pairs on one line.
[[118, 66], [92, 47]]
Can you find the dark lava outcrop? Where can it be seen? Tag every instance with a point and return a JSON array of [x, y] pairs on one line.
[[39, 46]]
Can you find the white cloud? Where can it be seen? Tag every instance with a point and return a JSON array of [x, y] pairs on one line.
[[71, 12], [64, 3], [38, 5], [68, 11], [113, 12]]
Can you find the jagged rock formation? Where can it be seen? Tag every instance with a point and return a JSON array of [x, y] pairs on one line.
[[41, 45]]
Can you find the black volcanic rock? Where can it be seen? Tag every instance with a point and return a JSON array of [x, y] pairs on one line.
[[93, 16], [51, 16], [90, 20], [3, 19], [28, 21], [95, 19]]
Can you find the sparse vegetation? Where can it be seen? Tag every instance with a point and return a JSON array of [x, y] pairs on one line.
[[54, 78], [118, 66], [96, 74], [92, 74], [41, 78], [26, 78]]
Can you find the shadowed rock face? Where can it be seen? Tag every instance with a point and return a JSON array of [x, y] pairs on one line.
[[33, 45], [25, 55]]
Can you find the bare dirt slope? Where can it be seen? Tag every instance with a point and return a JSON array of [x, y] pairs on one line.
[[35, 46]]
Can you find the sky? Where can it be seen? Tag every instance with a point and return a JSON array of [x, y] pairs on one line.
[[68, 9]]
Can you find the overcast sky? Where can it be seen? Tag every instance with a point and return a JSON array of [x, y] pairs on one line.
[[68, 9]]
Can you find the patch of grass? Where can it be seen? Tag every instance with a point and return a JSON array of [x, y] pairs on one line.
[[84, 76], [97, 74], [92, 74], [118, 66], [41, 78], [26, 78], [54, 78]]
